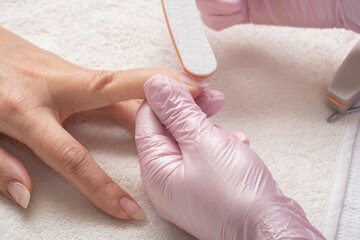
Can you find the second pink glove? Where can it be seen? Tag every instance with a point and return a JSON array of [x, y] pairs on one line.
[[220, 14]]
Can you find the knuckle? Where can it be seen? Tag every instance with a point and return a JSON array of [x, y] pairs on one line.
[[16, 116], [99, 79], [105, 188], [10, 106], [73, 159]]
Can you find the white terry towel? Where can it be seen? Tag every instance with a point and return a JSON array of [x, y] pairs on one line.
[[274, 80]]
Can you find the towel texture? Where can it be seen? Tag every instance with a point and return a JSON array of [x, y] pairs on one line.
[[350, 214], [274, 80]]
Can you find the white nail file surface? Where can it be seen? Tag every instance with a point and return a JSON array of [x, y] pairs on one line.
[[188, 35]]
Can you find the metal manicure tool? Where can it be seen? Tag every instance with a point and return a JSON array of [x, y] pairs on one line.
[[344, 91]]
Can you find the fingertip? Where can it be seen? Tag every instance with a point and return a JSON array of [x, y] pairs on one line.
[[183, 81], [212, 94], [15, 180], [175, 107], [195, 92], [160, 87], [192, 81], [210, 102], [242, 137], [115, 201], [19, 193], [158, 81], [194, 85], [132, 208]]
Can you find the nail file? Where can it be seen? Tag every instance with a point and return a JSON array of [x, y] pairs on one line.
[[188, 36], [344, 90]]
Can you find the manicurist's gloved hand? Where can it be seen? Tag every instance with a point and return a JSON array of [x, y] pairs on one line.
[[38, 90], [220, 14], [205, 179]]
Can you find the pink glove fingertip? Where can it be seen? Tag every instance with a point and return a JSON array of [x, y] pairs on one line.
[[175, 108], [210, 102], [242, 137], [221, 14]]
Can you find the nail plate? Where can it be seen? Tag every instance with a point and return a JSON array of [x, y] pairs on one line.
[[19, 192], [193, 82], [132, 209]]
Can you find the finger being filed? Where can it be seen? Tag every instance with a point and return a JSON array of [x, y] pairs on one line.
[[210, 102], [101, 88], [62, 152], [242, 137], [15, 180], [132, 81]]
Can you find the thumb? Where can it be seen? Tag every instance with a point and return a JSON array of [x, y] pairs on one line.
[[175, 108], [159, 154], [210, 102]]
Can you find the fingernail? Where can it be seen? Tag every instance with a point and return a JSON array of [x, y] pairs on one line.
[[132, 209], [19, 192], [193, 82]]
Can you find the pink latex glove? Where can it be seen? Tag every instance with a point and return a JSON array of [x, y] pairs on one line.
[[205, 179], [220, 14]]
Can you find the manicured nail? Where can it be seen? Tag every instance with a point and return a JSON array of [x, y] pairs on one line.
[[19, 192], [132, 209], [193, 82]]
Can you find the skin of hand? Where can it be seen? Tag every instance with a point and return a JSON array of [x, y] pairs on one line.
[[220, 14], [205, 179], [38, 90]]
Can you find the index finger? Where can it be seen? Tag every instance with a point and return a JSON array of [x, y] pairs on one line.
[[92, 89]]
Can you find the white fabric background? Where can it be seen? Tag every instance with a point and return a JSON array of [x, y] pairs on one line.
[[349, 221], [342, 205], [274, 80]]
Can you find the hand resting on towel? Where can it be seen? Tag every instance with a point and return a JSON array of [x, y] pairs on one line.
[[38, 90]]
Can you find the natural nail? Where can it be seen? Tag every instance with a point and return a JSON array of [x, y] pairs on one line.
[[132, 209], [193, 82], [19, 192]]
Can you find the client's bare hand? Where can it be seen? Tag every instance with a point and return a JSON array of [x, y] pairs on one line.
[[38, 90]]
